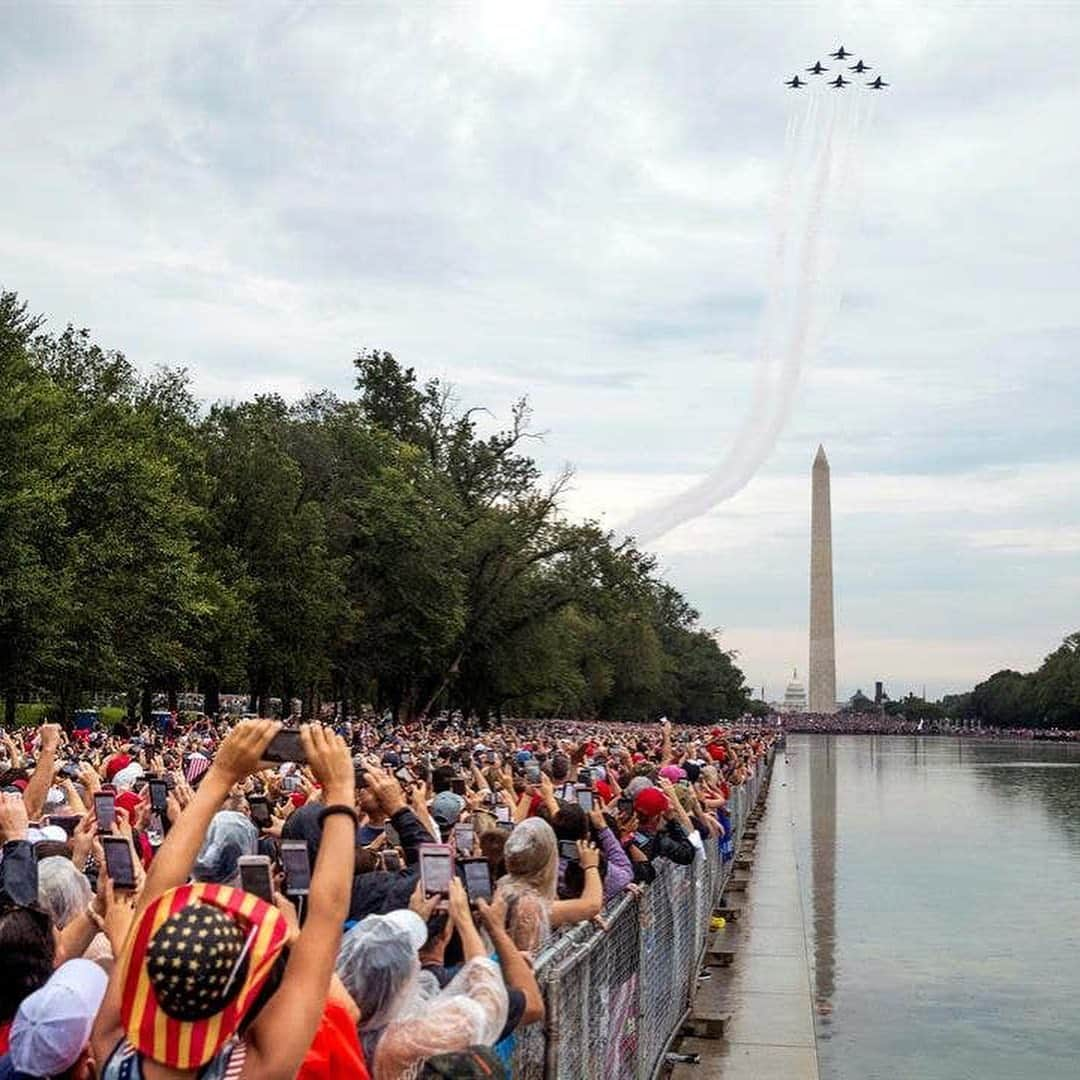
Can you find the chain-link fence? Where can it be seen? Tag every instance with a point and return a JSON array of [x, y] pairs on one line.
[[616, 997]]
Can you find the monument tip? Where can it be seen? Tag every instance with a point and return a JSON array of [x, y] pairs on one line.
[[820, 458]]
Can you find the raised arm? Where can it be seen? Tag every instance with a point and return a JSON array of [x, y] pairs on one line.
[[37, 788], [591, 900], [284, 1029], [237, 756]]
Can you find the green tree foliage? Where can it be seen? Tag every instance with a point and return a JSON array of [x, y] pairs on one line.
[[388, 549]]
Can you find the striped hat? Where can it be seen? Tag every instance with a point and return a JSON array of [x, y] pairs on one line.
[[194, 963]]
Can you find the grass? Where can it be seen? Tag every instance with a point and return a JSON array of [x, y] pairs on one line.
[[33, 715]]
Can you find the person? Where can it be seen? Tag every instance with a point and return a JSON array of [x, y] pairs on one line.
[[529, 886], [666, 837], [237, 1002], [50, 1035], [404, 1016], [230, 836]]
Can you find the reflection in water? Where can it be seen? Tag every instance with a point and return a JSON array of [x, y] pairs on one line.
[[942, 899], [823, 870]]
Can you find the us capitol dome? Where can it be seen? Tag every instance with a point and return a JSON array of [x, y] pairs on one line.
[[794, 696]]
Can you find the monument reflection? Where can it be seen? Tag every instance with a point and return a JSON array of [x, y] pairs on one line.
[[823, 873]]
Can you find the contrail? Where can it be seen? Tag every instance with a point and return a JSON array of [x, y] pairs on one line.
[[798, 299]]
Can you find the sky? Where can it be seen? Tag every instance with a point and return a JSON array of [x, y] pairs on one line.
[[573, 203]]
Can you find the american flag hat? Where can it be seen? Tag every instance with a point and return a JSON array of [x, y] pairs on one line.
[[192, 967], [197, 765]]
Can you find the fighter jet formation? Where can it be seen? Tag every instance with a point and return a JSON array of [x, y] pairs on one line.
[[818, 68]]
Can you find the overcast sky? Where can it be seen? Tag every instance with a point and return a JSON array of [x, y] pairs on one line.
[[573, 203]]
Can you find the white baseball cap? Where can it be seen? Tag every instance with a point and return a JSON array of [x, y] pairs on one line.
[[53, 1024]]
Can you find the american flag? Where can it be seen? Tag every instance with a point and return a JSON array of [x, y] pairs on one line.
[[197, 764]]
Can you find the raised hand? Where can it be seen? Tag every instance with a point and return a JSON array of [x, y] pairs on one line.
[[242, 750]]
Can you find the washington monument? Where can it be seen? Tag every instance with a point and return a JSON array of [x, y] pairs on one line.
[[822, 697]]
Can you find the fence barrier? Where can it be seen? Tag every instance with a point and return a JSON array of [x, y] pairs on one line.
[[616, 998]]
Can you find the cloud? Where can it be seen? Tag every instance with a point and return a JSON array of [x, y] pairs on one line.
[[574, 202]]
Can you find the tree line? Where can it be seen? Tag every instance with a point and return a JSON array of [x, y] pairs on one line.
[[1048, 697], [377, 549]]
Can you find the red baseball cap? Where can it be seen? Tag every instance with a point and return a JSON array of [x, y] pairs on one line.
[[650, 802], [116, 763]]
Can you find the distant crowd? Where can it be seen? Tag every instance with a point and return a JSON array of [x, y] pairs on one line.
[[219, 899], [875, 724]]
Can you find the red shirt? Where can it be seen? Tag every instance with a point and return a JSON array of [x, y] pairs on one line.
[[335, 1051]]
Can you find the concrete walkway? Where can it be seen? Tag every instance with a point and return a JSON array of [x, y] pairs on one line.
[[766, 990]]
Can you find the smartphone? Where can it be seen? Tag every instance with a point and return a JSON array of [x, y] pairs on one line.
[[391, 862], [464, 836], [119, 862], [67, 822], [256, 876], [457, 785], [105, 807], [569, 792], [642, 841], [290, 784], [159, 794], [502, 814], [489, 758], [403, 776], [360, 776], [625, 804], [260, 812], [436, 868], [532, 773], [285, 746], [585, 777], [406, 757], [585, 798], [568, 851], [297, 865], [476, 874]]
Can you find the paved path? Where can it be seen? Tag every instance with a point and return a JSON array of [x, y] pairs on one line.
[[770, 1035]]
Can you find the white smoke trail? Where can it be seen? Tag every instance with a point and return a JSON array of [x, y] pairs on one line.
[[821, 145]]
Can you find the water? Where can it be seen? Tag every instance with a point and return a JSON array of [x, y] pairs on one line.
[[941, 891]]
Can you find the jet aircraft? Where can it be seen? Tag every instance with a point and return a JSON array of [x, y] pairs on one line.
[[860, 67], [877, 84], [817, 69], [795, 83], [841, 54], [840, 81]]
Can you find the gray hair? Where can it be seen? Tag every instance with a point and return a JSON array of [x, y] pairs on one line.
[[63, 891]]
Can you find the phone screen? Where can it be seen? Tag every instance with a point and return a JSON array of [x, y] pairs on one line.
[[294, 858], [568, 850], [255, 877], [285, 746], [569, 792], [105, 806], [119, 864], [391, 862], [260, 812], [159, 794], [436, 869], [502, 814], [457, 785], [585, 798], [463, 839], [477, 879]]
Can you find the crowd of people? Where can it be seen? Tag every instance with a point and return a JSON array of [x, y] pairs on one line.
[[853, 723], [361, 898]]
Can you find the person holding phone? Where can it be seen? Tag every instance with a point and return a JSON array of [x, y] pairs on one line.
[[276, 1036], [380, 967]]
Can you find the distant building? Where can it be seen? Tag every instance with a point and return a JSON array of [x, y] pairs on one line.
[[794, 696]]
